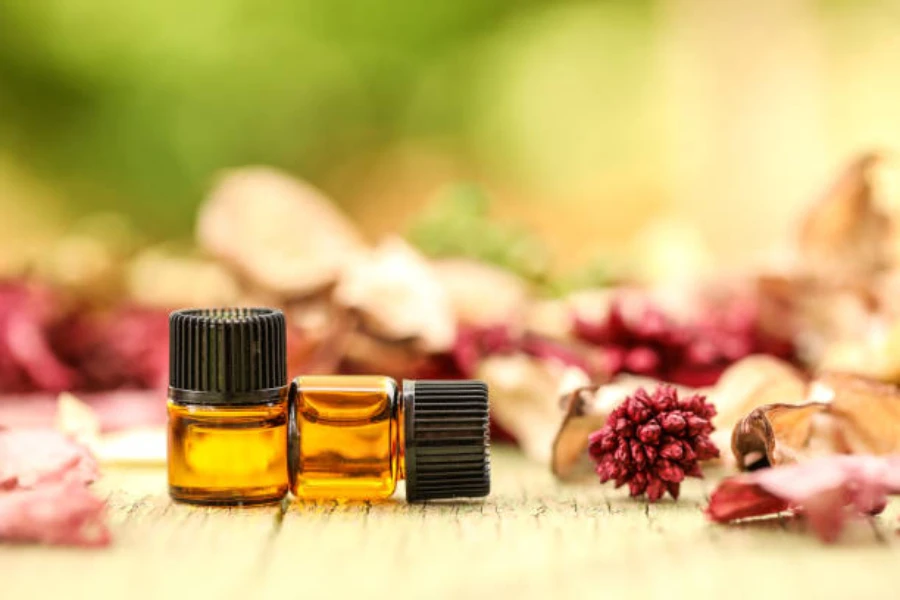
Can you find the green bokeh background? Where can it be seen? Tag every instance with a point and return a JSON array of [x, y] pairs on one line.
[[140, 102], [587, 121]]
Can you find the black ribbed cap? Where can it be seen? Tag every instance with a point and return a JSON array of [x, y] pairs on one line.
[[227, 355], [447, 451]]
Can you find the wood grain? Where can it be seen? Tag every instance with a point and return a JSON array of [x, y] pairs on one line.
[[533, 538]]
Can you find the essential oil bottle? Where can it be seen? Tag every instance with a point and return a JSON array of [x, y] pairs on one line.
[[355, 437], [227, 406]]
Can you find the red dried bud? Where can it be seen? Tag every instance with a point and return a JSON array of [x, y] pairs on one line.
[[673, 423], [649, 432], [652, 442]]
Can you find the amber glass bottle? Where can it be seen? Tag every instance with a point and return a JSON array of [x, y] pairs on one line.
[[227, 406], [355, 437]]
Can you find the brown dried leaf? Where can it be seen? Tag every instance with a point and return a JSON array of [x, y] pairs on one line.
[[482, 294], [843, 414], [752, 382], [524, 398], [277, 231], [582, 417], [162, 278], [868, 413], [773, 434], [398, 296], [846, 236]]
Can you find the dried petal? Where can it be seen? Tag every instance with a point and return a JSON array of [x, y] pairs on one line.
[[826, 490], [29, 458], [673, 423], [649, 432], [63, 513], [655, 490]]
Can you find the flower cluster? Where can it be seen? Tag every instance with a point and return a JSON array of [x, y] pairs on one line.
[[46, 347], [648, 342], [653, 441]]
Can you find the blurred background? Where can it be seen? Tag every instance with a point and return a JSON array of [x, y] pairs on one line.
[[597, 125]]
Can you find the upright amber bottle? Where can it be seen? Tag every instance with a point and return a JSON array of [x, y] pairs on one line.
[[355, 437], [227, 406]]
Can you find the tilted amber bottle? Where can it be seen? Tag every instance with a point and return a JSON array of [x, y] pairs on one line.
[[227, 406], [355, 437]]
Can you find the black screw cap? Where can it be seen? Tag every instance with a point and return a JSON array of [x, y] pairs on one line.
[[227, 355], [447, 450]]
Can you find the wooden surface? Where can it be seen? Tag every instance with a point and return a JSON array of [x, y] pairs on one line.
[[533, 538]]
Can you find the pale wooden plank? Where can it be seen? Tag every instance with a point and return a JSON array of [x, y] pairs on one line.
[[533, 538]]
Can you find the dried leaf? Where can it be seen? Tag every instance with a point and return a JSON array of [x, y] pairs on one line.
[[775, 434], [846, 236], [162, 278], [868, 413], [399, 297], [827, 491], [585, 410], [482, 294], [278, 232], [842, 414], [755, 381], [583, 416], [524, 398]]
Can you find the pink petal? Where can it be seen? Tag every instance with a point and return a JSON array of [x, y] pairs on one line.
[[735, 499], [827, 491], [29, 458], [64, 513]]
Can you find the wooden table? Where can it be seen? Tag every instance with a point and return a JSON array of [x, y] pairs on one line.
[[533, 538]]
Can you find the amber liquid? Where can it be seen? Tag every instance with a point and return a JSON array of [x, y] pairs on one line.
[[345, 438], [228, 455]]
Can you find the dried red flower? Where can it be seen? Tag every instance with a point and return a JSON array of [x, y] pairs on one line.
[[27, 360], [646, 341], [473, 344], [47, 345], [653, 441], [124, 348], [827, 491]]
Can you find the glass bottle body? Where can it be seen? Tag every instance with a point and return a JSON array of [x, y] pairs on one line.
[[227, 454], [345, 438]]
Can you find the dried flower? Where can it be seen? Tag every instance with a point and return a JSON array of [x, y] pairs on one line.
[[827, 491], [475, 344], [124, 348], [27, 361], [61, 513], [43, 490], [652, 442], [646, 341]]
